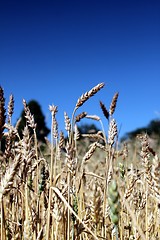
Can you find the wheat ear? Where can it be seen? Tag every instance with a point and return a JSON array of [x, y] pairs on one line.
[[7, 180], [80, 116], [29, 117], [104, 110], [113, 104], [10, 108], [89, 94], [67, 123]]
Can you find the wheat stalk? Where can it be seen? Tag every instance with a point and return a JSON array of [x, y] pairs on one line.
[[59, 194]]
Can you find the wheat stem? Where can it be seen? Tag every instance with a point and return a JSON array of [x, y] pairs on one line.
[[56, 190]]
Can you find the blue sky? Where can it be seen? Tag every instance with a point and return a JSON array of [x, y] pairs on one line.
[[53, 51]]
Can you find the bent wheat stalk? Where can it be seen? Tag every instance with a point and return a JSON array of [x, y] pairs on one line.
[[56, 190]]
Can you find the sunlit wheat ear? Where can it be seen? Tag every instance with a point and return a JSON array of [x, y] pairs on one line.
[[55, 128], [29, 117], [10, 108], [113, 104], [77, 134], [7, 180], [89, 154], [2, 112], [104, 110], [130, 187], [28, 153], [61, 140], [61, 145], [67, 122], [70, 159], [12, 131], [89, 94], [10, 136], [112, 133], [145, 157], [80, 116], [54, 109], [96, 136], [93, 117]]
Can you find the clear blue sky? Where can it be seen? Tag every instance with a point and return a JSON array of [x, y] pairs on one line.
[[53, 51]]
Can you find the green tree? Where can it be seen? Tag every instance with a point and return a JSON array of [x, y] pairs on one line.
[[41, 129], [88, 128], [153, 128]]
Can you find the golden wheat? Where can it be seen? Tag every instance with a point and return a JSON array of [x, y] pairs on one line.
[[80, 187]]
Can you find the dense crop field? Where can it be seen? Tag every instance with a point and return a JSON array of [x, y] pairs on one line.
[[72, 191]]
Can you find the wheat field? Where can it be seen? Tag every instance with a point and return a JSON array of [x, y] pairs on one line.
[[75, 192]]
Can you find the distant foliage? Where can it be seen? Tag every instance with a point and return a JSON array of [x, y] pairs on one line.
[[88, 128], [153, 128], [41, 129]]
